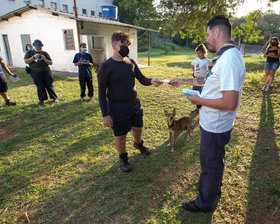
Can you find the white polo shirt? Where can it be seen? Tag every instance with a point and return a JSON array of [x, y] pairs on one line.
[[227, 74]]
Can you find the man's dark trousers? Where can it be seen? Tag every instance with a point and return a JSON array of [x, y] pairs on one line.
[[44, 81], [83, 82], [212, 154]]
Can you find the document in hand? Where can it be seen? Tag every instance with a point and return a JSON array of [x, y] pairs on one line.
[[14, 78], [190, 92]]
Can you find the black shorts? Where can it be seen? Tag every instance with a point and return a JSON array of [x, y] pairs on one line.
[[3, 84], [125, 115]]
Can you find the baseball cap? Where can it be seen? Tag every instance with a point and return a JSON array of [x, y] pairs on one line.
[[37, 44]]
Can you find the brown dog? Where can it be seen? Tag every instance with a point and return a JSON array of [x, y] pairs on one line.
[[177, 126]]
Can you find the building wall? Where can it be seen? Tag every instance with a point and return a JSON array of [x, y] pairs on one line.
[[95, 5], [49, 29]]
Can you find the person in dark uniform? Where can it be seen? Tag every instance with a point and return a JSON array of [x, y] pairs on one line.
[[272, 55], [3, 83], [120, 106], [41, 74], [84, 61]]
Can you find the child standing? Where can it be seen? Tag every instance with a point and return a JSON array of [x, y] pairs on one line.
[[84, 61], [200, 66]]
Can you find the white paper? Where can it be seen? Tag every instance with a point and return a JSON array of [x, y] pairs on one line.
[[165, 80], [14, 78], [190, 92]]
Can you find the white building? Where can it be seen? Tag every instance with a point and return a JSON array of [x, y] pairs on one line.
[[58, 32], [86, 7]]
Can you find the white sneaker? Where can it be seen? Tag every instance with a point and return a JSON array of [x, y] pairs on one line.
[[90, 99], [82, 98], [263, 88], [267, 88]]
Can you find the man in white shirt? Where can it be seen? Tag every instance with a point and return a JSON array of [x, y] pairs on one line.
[[220, 99]]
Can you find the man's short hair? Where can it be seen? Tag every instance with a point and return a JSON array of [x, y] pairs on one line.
[[83, 45], [223, 22], [121, 36]]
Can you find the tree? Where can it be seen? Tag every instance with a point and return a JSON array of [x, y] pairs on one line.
[[248, 31], [189, 17]]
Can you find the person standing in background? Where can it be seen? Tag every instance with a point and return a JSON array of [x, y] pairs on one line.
[[41, 74], [200, 67], [4, 84], [272, 54], [85, 63]]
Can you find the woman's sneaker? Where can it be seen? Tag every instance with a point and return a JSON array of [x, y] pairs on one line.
[[267, 88], [263, 88], [10, 103]]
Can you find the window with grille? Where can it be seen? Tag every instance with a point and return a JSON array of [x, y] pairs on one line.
[[53, 5], [69, 39], [92, 13], [84, 11]]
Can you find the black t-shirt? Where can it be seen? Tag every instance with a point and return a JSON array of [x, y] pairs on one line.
[[38, 65], [116, 82], [270, 59], [84, 68]]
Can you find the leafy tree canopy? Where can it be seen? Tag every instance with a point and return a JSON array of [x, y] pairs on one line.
[[189, 17]]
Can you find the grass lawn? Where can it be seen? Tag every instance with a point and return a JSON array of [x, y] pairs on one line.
[[59, 165]]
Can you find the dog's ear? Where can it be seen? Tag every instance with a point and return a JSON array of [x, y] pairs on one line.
[[174, 112]]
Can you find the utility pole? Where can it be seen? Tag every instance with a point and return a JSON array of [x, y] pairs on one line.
[[77, 23], [149, 49]]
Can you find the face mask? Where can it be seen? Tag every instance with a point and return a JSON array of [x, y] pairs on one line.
[[274, 44], [30, 48], [83, 49], [124, 51]]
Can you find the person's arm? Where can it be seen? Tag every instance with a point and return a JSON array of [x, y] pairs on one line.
[[188, 81], [229, 101], [266, 54], [47, 59], [192, 67], [29, 59], [4, 66]]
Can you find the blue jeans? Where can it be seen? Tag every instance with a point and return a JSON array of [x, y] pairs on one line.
[[271, 65]]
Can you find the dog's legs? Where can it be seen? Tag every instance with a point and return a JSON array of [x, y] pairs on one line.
[[189, 135], [170, 135], [174, 140]]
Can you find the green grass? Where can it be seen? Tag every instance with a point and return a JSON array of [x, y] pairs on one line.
[[59, 164]]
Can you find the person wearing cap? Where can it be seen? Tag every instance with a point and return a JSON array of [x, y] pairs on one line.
[[85, 63], [3, 83], [39, 62]]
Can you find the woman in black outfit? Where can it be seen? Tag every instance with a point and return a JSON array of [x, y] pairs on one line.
[[272, 53]]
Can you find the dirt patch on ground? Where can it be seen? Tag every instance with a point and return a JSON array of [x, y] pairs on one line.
[[7, 132], [44, 177]]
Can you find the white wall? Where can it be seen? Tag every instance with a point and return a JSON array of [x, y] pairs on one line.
[[107, 31], [8, 6], [49, 29], [40, 25]]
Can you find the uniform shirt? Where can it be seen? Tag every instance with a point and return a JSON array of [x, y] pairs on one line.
[[38, 65], [116, 81], [201, 66], [84, 68], [227, 74], [1, 71]]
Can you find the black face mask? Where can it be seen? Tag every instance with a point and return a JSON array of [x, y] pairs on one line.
[[274, 44], [124, 51]]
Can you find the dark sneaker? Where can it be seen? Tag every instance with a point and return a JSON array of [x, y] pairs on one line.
[[142, 148], [40, 103], [124, 164], [192, 207], [10, 103]]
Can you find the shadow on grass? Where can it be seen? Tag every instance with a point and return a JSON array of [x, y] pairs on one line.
[[264, 189], [254, 66], [179, 64]]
